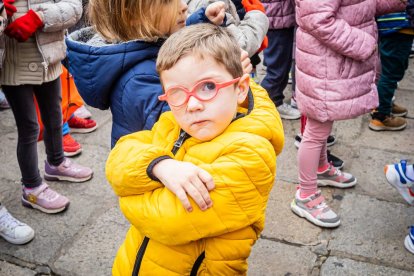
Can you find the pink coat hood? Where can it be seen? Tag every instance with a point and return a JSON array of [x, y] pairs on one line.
[[336, 57]]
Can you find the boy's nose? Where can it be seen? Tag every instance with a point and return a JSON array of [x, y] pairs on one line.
[[193, 104]]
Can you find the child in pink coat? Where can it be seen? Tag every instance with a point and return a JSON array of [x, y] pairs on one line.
[[336, 60]]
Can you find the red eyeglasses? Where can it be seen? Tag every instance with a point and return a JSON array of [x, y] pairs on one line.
[[204, 90]]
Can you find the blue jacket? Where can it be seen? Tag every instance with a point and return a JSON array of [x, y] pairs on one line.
[[117, 76], [392, 22]]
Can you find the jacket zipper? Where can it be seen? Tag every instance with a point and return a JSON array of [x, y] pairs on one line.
[[140, 255]]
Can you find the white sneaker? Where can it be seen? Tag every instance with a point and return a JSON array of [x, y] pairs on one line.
[[287, 112], [82, 112], [12, 230]]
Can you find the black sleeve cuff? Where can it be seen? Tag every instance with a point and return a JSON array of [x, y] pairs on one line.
[[152, 165]]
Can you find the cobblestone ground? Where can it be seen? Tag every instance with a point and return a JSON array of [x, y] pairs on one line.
[[375, 220]]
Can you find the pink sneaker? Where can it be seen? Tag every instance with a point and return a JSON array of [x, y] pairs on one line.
[[68, 171], [44, 199]]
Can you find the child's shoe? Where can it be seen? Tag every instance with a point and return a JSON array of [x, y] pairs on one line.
[[44, 199], [381, 122], [398, 111], [335, 178], [70, 146], [409, 240], [315, 210], [79, 125], [329, 141], [396, 176], [4, 104], [82, 112], [12, 230], [334, 160], [286, 111], [68, 171]]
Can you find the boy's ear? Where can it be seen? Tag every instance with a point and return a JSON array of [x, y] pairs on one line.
[[243, 88]]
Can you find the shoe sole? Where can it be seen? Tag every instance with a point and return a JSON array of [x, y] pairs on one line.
[[28, 204], [70, 154], [401, 190], [66, 178], [382, 128], [408, 244], [17, 241], [400, 114], [331, 183], [303, 214], [83, 130], [286, 117]]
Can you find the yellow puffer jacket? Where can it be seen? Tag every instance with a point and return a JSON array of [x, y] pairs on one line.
[[242, 161]]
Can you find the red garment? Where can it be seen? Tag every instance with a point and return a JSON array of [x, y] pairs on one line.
[[24, 27], [250, 5], [10, 8]]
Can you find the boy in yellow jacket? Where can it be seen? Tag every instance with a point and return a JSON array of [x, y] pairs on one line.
[[216, 149]]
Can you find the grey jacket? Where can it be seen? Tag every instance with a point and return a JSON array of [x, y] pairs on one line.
[[248, 32], [57, 16]]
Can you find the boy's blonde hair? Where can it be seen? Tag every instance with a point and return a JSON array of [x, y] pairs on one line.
[[202, 40], [124, 20]]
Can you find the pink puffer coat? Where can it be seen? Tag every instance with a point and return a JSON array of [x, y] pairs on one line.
[[336, 57], [281, 13]]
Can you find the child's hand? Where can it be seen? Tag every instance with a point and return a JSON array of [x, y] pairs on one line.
[[216, 12], [245, 60], [184, 178]]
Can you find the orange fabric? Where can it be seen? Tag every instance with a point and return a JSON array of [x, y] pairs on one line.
[[71, 100], [250, 5], [264, 44]]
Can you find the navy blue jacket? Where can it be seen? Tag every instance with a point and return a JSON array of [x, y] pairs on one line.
[[121, 77], [117, 76]]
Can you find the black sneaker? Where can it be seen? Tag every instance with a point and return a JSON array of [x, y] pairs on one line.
[[336, 162], [330, 141]]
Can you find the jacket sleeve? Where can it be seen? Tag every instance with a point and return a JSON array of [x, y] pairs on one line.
[[251, 30], [126, 167], [243, 175], [59, 15], [318, 19], [389, 6]]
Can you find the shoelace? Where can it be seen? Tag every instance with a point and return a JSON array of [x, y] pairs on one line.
[[8, 221]]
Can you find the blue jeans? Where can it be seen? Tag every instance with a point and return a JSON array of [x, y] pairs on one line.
[[278, 59]]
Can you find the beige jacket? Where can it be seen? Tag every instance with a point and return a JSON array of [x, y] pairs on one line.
[[57, 16]]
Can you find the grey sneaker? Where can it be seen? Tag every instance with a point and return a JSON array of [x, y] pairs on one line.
[[68, 171], [287, 112], [315, 210], [13, 230], [335, 178]]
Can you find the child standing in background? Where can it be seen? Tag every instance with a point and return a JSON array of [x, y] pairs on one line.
[[218, 145], [278, 54], [113, 63], [32, 48], [336, 61]]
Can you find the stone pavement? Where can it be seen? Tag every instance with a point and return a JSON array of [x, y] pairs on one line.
[[375, 219]]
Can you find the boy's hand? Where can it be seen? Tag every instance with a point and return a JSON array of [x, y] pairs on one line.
[[245, 60], [216, 12], [184, 178]]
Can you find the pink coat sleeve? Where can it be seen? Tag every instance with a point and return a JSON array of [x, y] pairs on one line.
[[318, 19], [388, 6]]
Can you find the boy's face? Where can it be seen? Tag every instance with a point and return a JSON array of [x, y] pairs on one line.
[[205, 120]]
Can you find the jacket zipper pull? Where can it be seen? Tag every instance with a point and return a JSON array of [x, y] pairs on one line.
[[179, 142]]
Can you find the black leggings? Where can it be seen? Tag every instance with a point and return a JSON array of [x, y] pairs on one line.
[[48, 96]]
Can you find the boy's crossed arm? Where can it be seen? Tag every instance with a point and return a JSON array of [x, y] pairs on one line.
[[243, 176]]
